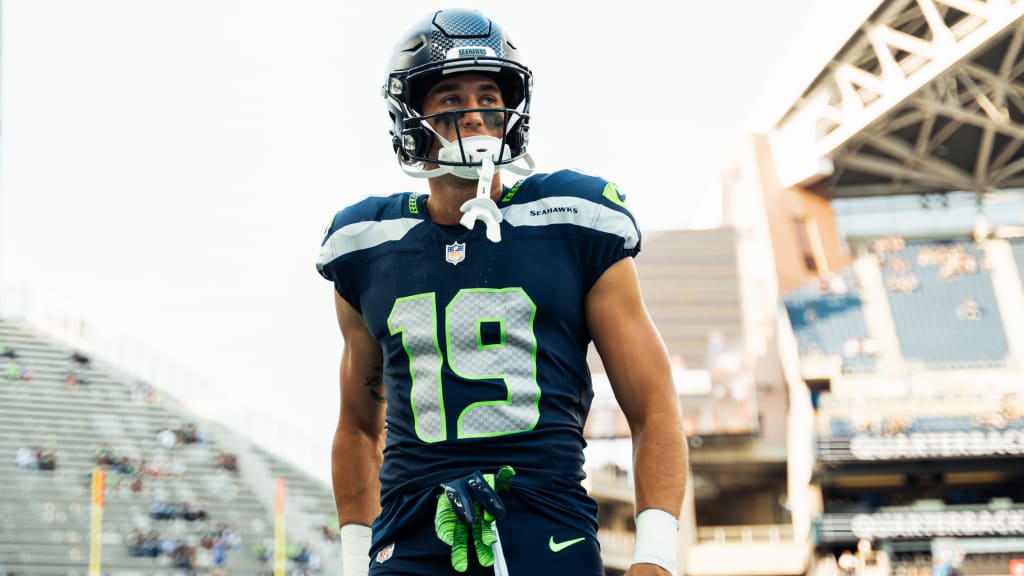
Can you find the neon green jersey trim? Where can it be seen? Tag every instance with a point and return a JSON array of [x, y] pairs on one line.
[[611, 192]]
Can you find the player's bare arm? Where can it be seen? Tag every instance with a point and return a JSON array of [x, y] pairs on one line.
[[638, 368], [359, 439]]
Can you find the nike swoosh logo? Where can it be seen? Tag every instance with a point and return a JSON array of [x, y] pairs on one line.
[[559, 546]]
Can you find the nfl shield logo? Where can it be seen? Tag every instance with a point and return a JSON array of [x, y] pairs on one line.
[[385, 553], [455, 252]]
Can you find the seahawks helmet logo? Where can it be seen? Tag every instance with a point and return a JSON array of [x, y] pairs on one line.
[[470, 52]]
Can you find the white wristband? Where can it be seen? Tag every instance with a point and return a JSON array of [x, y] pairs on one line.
[[656, 539], [355, 549]]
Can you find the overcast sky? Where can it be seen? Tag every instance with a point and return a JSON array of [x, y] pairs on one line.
[[169, 167]]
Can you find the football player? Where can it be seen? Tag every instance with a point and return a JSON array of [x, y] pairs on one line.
[[466, 315]]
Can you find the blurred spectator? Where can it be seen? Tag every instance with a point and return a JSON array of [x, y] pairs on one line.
[[168, 546], [220, 558], [263, 551], [331, 530], [190, 434], [193, 511], [315, 562], [163, 510], [870, 421], [852, 348], [899, 424], [74, 378], [143, 393], [941, 568], [103, 455], [810, 316], [968, 310], [47, 460], [227, 461], [207, 550], [1009, 407], [35, 458], [229, 537], [7, 352], [155, 467], [866, 553], [907, 283], [144, 546], [15, 370], [990, 419], [167, 438], [1003, 416], [885, 244], [80, 358], [298, 553], [858, 347], [135, 484], [27, 457], [951, 260], [184, 556], [188, 511], [847, 563], [203, 556], [898, 265], [305, 557], [835, 284], [127, 466]]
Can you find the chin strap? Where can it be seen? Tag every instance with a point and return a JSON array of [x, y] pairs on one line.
[[487, 147], [466, 152], [482, 207]]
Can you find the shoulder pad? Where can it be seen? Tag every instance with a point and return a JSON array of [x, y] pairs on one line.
[[368, 223], [571, 197]]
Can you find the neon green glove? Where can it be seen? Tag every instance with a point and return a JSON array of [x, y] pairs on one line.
[[453, 533], [468, 508]]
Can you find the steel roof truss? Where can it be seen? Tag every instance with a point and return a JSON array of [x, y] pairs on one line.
[[910, 63]]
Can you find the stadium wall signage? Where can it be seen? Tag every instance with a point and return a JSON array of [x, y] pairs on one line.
[[921, 525], [923, 446]]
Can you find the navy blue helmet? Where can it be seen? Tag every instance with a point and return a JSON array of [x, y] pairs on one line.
[[450, 42]]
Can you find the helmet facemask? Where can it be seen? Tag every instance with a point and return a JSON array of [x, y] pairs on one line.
[[462, 155], [415, 134]]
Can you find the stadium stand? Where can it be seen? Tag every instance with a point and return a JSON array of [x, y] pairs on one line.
[[828, 319], [45, 514], [906, 453], [943, 304], [907, 449]]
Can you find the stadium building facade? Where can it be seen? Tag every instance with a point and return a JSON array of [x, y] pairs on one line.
[[850, 344]]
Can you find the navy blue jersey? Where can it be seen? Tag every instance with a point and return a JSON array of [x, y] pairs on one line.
[[484, 343]]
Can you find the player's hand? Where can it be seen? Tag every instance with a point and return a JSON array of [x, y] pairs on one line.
[[467, 510], [647, 570]]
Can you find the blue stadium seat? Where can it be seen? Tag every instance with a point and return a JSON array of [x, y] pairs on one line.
[[826, 322], [929, 319]]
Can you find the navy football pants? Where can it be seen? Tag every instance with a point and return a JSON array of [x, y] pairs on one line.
[[534, 545]]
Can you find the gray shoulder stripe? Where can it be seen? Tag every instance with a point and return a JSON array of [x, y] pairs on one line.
[[363, 235], [574, 210]]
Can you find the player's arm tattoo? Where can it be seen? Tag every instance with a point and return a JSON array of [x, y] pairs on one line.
[[375, 385]]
